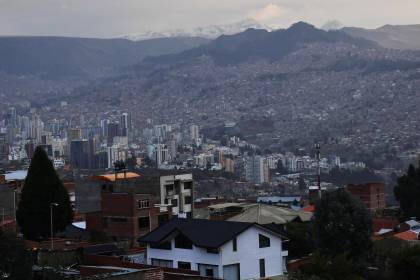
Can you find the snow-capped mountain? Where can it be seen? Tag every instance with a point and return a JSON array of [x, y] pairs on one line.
[[210, 32]]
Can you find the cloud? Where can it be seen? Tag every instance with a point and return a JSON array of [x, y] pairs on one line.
[[269, 13]]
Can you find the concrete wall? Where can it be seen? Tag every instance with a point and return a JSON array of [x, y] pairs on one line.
[[248, 254], [195, 256]]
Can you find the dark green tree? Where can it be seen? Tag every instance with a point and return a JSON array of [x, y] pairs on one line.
[[406, 263], [342, 225], [15, 259], [301, 241], [407, 192], [41, 188], [322, 267]]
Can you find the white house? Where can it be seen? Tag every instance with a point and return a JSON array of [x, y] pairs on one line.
[[221, 249]]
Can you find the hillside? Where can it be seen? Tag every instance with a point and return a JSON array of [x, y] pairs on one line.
[[308, 83], [63, 57], [406, 37]]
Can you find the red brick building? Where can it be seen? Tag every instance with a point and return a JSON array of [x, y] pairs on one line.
[[372, 194], [126, 215]]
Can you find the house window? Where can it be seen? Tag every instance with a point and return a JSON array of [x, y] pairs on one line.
[[163, 263], [264, 241], [169, 190], [262, 268], [184, 265], [143, 203], [188, 185], [162, 246], [209, 272], [182, 242], [119, 220], [187, 200], [144, 223], [234, 245], [174, 202]]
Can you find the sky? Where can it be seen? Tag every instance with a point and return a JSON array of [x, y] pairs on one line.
[[112, 18]]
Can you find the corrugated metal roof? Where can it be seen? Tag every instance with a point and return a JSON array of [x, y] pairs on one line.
[[266, 214]]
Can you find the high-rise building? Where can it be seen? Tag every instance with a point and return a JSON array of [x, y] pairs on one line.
[[82, 154], [194, 133], [172, 149], [4, 147], [162, 154], [256, 170], [104, 128], [113, 130], [115, 153], [36, 128], [125, 124]]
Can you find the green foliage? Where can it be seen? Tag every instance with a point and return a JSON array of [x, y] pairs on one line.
[[341, 177], [327, 268], [406, 263], [342, 225], [301, 243], [43, 187], [15, 260], [407, 193]]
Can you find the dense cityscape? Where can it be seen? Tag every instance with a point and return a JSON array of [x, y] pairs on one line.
[[255, 149]]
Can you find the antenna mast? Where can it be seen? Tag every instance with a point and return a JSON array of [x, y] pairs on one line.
[[318, 158]]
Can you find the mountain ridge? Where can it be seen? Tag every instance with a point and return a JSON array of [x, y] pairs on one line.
[[52, 57], [405, 37], [262, 44]]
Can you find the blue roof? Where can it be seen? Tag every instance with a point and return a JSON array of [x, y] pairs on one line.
[[278, 199]]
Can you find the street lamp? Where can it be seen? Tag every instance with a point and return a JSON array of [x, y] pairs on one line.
[[52, 204]]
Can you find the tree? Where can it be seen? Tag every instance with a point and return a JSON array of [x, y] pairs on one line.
[[15, 260], [41, 188], [407, 192], [301, 242], [327, 268], [342, 225], [406, 263]]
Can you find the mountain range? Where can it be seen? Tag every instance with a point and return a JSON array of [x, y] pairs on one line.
[[209, 32], [58, 57], [295, 86]]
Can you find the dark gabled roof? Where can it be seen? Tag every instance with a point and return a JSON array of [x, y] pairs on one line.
[[202, 233], [103, 249]]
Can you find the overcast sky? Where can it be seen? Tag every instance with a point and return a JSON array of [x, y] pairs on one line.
[[110, 18]]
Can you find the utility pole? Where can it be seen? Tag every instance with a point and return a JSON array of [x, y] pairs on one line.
[[52, 204], [318, 158], [14, 204]]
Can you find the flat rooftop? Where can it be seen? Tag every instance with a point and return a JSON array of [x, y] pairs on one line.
[[119, 176]]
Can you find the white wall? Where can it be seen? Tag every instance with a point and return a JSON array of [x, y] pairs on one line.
[[248, 254], [195, 256]]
